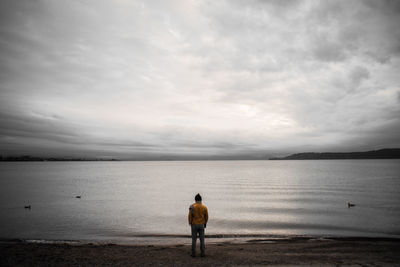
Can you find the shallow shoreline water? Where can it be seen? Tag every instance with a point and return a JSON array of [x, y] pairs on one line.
[[210, 239]]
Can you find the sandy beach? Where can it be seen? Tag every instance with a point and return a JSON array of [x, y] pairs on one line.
[[260, 252]]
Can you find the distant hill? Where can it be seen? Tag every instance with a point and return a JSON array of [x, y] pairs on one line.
[[387, 153]]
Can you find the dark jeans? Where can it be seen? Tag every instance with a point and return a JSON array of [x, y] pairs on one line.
[[198, 229]]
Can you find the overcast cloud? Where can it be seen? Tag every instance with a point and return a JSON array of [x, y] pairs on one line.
[[192, 78]]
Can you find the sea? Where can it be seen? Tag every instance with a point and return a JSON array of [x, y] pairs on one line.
[[148, 201]]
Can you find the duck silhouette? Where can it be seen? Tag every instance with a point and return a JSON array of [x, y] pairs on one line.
[[349, 205]]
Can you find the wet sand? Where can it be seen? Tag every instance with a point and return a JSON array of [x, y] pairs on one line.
[[260, 252]]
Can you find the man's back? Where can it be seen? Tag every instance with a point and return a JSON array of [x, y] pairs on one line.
[[198, 213]]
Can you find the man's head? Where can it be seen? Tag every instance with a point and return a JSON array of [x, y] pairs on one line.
[[197, 198]]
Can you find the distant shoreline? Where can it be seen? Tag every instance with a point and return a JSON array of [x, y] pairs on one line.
[[386, 153], [31, 158]]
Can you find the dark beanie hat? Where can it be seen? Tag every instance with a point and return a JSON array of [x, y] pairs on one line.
[[197, 197]]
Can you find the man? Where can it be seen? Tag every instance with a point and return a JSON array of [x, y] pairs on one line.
[[198, 217]]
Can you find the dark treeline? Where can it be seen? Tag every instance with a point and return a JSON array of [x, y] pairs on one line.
[[387, 153], [31, 158]]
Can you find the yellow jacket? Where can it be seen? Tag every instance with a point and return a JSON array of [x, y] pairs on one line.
[[198, 214]]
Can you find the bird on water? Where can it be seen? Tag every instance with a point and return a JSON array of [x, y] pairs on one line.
[[350, 205]]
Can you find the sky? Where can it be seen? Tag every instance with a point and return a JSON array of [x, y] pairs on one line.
[[193, 79]]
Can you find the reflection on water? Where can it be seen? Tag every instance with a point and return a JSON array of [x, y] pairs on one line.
[[126, 199]]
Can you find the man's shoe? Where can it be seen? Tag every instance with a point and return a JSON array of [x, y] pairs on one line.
[[192, 255], [203, 255]]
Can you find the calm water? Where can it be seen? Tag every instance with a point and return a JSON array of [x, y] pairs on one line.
[[124, 200]]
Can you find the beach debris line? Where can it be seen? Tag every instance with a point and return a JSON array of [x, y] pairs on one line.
[[28, 207], [349, 205]]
